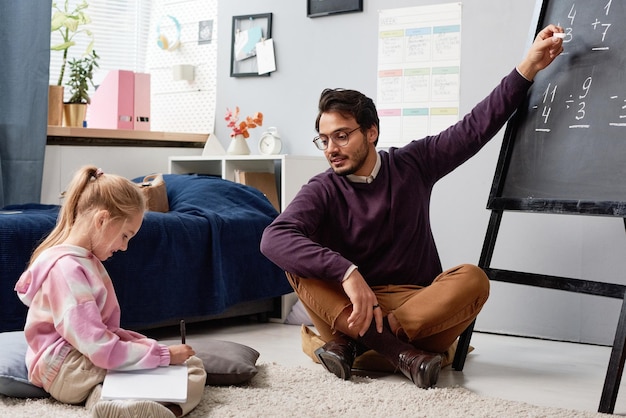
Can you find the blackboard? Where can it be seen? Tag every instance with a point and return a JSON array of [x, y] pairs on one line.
[[564, 150]]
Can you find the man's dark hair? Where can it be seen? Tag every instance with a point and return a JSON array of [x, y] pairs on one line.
[[349, 103]]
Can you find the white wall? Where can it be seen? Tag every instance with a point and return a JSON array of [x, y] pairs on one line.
[[341, 51]]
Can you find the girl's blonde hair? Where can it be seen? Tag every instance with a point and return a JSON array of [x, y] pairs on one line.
[[91, 190]]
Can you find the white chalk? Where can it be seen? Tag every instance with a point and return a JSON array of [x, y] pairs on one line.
[[559, 35]]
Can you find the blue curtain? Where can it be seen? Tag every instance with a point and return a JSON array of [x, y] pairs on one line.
[[24, 68]]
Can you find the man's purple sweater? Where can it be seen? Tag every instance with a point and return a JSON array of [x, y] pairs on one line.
[[383, 227]]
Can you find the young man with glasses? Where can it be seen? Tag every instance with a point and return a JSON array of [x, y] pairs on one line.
[[356, 241]]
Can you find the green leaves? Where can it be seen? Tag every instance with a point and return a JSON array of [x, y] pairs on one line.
[[81, 75], [69, 23], [63, 46]]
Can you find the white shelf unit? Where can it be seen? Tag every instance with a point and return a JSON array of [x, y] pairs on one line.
[[291, 171]]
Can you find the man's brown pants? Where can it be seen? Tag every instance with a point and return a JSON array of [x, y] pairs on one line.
[[432, 317]]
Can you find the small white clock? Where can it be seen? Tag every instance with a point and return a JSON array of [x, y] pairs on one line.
[[270, 142]]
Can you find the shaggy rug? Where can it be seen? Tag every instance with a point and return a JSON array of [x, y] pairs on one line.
[[279, 391]]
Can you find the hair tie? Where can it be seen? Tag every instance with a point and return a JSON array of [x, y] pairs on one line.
[[99, 173]]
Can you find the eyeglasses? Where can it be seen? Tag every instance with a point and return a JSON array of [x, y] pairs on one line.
[[340, 139]]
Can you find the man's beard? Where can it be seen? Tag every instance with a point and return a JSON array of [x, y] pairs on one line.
[[357, 161]]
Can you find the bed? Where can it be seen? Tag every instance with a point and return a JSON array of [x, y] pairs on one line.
[[199, 261]]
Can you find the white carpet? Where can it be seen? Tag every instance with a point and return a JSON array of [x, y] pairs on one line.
[[279, 391]]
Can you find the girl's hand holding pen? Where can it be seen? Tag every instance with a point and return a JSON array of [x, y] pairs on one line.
[[180, 353]]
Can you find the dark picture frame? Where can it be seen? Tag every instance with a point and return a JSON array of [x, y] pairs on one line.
[[243, 61], [319, 8]]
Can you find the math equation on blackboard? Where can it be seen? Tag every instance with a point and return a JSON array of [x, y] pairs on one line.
[[569, 136], [585, 87]]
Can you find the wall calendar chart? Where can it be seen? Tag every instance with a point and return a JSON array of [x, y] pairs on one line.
[[419, 66]]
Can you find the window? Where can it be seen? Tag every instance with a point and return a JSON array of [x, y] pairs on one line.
[[125, 38], [120, 28]]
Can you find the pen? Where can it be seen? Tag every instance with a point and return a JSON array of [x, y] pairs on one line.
[[183, 332]]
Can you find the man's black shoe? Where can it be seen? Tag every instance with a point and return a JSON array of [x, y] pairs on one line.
[[337, 356], [421, 367]]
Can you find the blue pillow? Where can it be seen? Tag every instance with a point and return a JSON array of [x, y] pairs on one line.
[[13, 373]]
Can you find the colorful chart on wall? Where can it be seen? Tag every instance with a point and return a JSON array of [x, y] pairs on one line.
[[419, 66]]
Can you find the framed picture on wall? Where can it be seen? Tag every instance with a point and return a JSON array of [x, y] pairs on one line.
[[247, 31], [319, 8]]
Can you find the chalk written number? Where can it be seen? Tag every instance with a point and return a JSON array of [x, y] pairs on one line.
[[581, 110]]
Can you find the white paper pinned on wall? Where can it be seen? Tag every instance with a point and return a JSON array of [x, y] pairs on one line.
[[266, 60]]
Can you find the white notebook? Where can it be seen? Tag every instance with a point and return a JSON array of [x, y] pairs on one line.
[[163, 384]]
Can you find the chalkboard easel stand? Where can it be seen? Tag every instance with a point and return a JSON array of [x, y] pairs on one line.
[[618, 352]]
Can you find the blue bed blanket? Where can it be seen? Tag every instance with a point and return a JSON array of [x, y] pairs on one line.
[[197, 260]]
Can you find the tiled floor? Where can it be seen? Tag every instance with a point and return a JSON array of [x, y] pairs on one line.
[[539, 372]]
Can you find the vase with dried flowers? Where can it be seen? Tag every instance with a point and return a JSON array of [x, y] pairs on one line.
[[239, 130]]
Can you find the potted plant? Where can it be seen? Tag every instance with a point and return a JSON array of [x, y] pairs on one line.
[[67, 24], [80, 77]]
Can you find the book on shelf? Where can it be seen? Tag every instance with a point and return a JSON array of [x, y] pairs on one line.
[[265, 182], [163, 384]]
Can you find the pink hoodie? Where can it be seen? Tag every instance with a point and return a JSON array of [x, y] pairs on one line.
[[72, 304]]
